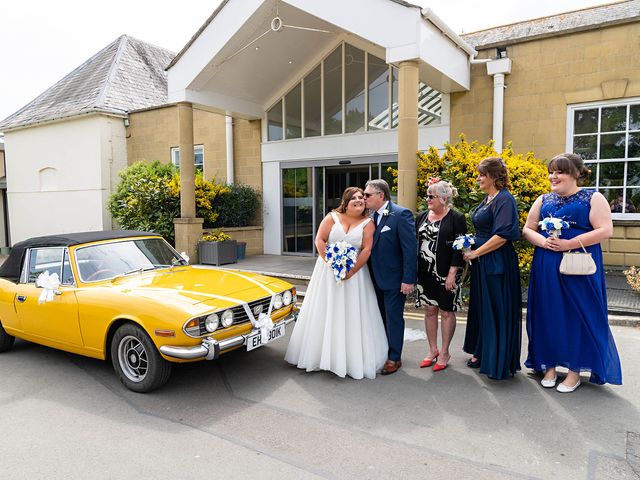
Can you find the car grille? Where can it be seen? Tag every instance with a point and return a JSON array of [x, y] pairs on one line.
[[240, 314]]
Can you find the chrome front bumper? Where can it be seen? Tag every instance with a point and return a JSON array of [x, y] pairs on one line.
[[210, 349]]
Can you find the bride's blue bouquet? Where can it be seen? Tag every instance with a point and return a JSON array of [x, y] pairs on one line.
[[341, 257], [553, 226]]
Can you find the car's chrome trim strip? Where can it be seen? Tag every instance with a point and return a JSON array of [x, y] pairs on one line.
[[211, 348]]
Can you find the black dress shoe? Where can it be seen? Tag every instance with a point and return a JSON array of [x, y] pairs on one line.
[[473, 363]]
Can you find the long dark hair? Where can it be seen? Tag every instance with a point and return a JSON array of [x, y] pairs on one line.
[[346, 198]]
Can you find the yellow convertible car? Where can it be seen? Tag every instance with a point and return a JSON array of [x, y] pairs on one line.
[[129, 296]]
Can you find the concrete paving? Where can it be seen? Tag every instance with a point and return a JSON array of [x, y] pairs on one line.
[[250, 415]]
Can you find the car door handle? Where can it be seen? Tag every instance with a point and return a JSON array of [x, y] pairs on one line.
[[21, 298]]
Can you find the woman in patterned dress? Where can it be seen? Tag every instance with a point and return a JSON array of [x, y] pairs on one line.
[[439, 270]]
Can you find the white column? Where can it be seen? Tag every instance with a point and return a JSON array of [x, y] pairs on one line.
[[229, 131], [498, 68]]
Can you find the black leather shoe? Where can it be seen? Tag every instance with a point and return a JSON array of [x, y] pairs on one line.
[[473, 363]]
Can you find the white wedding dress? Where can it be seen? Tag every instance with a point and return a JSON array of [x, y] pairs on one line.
[[339, 328]]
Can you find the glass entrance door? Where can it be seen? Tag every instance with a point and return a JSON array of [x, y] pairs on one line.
[[310, 193]]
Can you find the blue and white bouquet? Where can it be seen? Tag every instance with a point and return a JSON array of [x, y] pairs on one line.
[[464, 242], [341, 257], [553, 226]]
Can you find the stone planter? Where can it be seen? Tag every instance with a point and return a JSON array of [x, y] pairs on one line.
[[217, 253]]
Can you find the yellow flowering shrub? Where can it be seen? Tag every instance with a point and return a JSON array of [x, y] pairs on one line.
[[633, 278], [215, 236], [528, 179]]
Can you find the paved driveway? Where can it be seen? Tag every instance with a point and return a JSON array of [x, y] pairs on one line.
[[250, 415]]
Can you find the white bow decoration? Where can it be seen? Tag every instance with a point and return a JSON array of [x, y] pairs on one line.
[[185, 256], [49, 285], [265, 325]]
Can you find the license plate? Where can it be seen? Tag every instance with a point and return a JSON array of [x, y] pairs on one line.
[[255, 339]]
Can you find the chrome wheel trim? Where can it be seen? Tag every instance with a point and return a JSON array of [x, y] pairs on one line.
[[133, 359]]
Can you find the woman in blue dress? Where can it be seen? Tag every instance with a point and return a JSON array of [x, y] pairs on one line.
[[567, 320], [494, 322]]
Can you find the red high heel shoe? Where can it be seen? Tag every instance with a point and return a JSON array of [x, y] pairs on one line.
[[439, 367], [427, 362]]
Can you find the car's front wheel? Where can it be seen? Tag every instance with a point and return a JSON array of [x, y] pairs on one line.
[[136, 360], [6, 340]]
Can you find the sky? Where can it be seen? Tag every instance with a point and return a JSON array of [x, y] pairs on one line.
[[43, 40]]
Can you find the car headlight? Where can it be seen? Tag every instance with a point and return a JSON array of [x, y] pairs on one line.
[[227, 318], [287, 297], [277, 302], [211, 322]]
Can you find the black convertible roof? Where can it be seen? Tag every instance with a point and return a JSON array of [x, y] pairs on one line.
[[10, 269]]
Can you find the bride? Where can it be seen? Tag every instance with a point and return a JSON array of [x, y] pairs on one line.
[[339, 328]]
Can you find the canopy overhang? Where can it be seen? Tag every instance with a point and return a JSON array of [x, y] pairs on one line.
[[237, 64]]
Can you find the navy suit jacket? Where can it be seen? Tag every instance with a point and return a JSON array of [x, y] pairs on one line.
[[394, 258]]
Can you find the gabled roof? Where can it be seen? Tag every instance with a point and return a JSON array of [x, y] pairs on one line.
[[127, 74], [561, 24]]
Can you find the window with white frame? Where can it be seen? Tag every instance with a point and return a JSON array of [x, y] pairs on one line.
[[607, 136], [198, 157], [349, 91]]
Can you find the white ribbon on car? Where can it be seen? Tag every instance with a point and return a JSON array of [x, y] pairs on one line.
[[265, 325], [185, 256], [49, 284]]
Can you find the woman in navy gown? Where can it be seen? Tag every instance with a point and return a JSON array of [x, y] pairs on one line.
[[494, 322], [567, 320]]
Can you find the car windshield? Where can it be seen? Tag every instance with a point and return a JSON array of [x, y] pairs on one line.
[[109, 260]]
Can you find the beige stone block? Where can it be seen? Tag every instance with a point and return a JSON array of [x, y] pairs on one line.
[[632, 259], [632, 232], [625, 246], [614, 88], [618, 232], [613, 258], [605, 246]]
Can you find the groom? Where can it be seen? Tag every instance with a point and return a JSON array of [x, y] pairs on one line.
[[393, 264]]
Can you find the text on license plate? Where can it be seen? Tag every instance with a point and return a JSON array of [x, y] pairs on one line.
[[255, 339]]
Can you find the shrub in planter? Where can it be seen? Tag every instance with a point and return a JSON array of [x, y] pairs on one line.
[[237, 207], [148, 198], [217, 248]]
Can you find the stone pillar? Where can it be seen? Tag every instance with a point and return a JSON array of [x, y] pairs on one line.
[[188, 228], [408, 134]]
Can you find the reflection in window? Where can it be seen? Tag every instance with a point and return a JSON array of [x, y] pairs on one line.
[[274, 122], [297, 185], [312, 104], [293, 120], [354, 88], [429, 105], [394, 97], [608, 136], [333, 92], [378, 115]]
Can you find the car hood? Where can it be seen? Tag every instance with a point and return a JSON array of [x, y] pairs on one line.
[[195, 285]]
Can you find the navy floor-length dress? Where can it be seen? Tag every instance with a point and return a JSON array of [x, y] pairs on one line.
[[494, 322], [567, 319]]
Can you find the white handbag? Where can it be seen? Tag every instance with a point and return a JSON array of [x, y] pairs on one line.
[[577, 263]]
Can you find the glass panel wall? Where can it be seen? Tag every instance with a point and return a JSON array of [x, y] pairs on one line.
[[378, 91], [333, 92], [293, 107], [348, 80], [274, 122], [312, 103], [354, 89], [297, 193]]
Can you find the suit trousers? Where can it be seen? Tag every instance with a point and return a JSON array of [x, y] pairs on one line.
[[391, 304]]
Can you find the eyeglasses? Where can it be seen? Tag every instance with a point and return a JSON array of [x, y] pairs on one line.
[[431, 197], [367, 195]]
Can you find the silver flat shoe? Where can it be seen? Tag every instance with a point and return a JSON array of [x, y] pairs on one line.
[[549, 383], [562, 388]]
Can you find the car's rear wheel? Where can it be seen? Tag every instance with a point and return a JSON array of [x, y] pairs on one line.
[[6, 340], [136, 360]]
